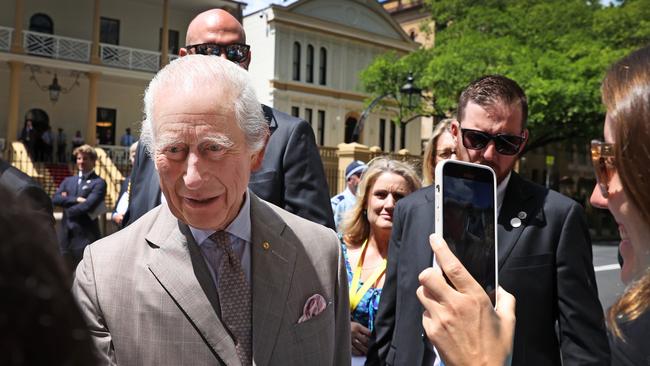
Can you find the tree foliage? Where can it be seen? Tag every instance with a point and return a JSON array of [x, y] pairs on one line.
[[557, 50]]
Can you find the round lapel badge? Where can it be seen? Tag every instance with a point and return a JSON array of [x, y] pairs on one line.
[[515, 222], [522, 215]]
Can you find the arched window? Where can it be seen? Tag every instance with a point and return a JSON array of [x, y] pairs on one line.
[[41, 23], [310, 64], [296, 61], [322, 71]]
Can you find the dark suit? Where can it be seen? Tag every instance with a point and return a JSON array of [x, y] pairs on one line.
[[25, 189], [291, 177], [546, 263], [78, 229]]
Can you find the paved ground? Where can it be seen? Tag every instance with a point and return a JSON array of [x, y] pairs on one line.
[[607, 272]]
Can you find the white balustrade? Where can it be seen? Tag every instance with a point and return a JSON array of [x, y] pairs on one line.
[[129, 58], [5, 38], [49, 45]]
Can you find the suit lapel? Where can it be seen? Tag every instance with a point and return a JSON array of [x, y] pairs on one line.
[[173, 269], [514, 202], [426, 220], [273, 260]]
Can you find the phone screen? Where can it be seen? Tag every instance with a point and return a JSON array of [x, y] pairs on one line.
[[468, 224]]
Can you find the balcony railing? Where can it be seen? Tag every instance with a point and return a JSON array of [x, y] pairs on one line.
[[58, 47], [73, 49], [129, 58], [5, 38]]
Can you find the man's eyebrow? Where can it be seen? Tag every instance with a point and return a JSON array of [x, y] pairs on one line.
[[222, 140]]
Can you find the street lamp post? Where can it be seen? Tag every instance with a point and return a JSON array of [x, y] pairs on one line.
[[408, 90]]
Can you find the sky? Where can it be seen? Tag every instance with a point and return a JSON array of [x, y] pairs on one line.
[[255, 5]]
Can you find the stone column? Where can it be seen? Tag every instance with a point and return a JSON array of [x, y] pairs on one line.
[[91, 124], [17, 38], [16, 69], [347, 153], [94, 48], [164, 39]]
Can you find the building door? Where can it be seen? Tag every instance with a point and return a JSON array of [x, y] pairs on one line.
[[106, 125], [350, 125]]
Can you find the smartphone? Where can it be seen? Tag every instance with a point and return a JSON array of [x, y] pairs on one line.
[[466, 215]]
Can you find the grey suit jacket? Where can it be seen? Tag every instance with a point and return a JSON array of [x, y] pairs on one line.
[[148, 297]]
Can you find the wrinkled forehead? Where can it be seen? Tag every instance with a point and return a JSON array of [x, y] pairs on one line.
[[187, 107]]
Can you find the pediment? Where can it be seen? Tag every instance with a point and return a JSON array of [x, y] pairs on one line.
[[366, 15]]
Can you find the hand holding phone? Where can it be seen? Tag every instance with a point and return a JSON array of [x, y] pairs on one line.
[[465, 215]]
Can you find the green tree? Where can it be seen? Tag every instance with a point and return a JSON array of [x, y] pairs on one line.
[[557, 50]]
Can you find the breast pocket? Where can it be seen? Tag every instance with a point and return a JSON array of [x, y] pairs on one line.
[[315, 337], [529, 262]]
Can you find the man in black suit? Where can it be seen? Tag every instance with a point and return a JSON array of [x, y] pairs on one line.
[[544, 249], [82, 198], [25, 189], [292, 174]]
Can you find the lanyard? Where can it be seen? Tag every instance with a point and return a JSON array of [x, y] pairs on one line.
[[356, 295]]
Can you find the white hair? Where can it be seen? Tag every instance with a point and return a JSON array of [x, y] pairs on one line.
[[197, 73]]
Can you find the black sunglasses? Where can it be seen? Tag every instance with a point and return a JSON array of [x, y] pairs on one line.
[[505, 144], [235, 52]]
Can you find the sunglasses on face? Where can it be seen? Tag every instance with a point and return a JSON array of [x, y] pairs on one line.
[[235, 52], [505, 144], [602, 157]]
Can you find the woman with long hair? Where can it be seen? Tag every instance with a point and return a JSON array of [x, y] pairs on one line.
[[622, 164], [366, 233]]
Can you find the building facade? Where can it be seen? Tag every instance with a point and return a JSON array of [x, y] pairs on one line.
[[101, 54], [306, 61]]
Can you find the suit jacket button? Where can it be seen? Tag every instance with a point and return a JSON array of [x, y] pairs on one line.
[[266, 245]]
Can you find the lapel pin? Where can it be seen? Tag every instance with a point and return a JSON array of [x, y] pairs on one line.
[[515, 222], [522, 215], [266, 245]]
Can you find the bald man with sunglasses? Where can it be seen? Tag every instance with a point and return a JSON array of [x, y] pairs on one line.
[[544, 249], [291, 176]]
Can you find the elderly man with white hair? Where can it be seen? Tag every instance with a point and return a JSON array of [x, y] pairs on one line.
[[214, 275]]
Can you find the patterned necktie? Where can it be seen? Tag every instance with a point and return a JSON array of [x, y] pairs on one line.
[[234, 298]]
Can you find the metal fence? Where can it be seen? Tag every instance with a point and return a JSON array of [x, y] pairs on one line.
[[330, 160]]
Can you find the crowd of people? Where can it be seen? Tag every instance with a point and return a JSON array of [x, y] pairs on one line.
[[230, 253]]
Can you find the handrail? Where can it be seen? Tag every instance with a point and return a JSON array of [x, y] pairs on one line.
[[109, 172]]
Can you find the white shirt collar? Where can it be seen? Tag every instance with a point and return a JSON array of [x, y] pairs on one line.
[[85, 176], [501, 191], [239, 227]]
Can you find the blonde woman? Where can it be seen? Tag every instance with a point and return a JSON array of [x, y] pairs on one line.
[[439, 147], [366, 232]]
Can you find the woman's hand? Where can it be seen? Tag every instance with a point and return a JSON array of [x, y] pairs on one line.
[[462, 323], [360, 336]]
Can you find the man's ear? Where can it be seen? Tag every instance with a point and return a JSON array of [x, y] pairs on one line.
[[525, 135], [247, 62], [258, 157], [454, 128], [182, 52]]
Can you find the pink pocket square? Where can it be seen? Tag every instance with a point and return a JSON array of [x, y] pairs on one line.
[[313, 306]]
